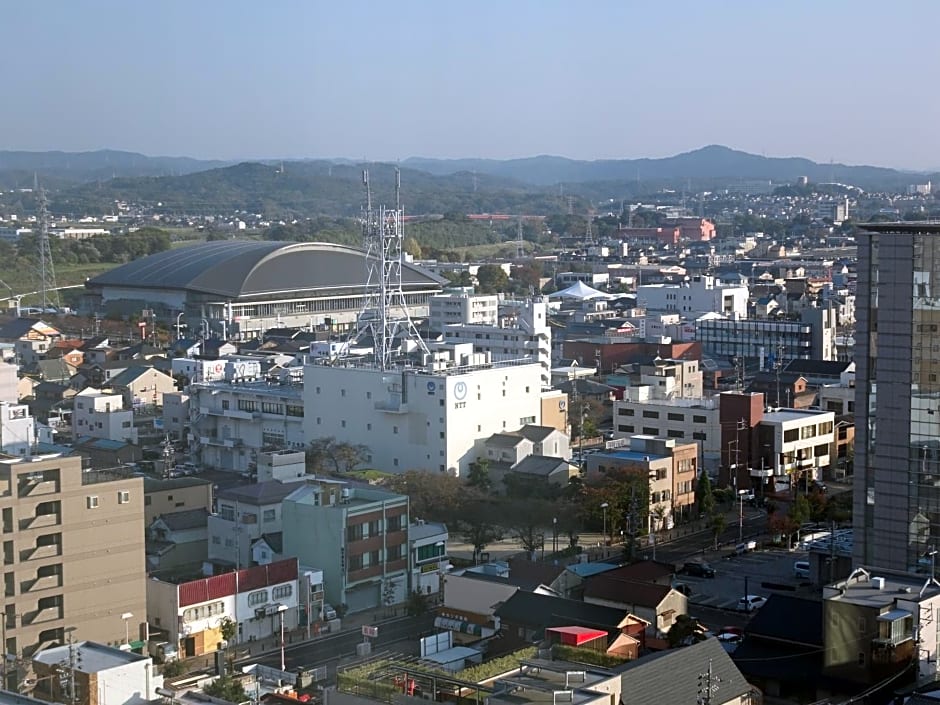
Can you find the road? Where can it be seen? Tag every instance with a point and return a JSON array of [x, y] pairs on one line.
[[330, 650]]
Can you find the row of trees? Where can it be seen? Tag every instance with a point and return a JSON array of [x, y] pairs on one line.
[[481, 513], [116, 248]]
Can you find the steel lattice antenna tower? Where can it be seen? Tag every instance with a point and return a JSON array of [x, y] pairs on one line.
[[589, 231], [48, 293], [520, 241], [383, 235]]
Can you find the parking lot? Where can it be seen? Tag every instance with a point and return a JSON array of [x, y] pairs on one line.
[[740, 575]]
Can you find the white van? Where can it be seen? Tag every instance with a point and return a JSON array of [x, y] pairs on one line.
[[801, 569]]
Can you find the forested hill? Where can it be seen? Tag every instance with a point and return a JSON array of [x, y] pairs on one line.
[[309, 188]]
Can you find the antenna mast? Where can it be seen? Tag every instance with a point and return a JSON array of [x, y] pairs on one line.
[[48, 292], [382, 238]]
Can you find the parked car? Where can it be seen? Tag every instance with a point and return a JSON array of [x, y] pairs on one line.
[[684, 588], [749, 603], [698, 570], [745, 547], [801, 570], [328, 612]]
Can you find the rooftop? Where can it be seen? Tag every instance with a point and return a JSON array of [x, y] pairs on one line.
[[264, 388], [90, 657], [862, 588], [786, 415], [629, 455]]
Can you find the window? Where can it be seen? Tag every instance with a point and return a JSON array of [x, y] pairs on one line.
[[229, 543], [354, 532], [808, 431], [269, 515], [791, 435], [526, 419], [393, 553], [294, 410], [675, 417], [148, 501], [626, 412], [375, 528], [282, 591], [394, 523], [124, 497], [217, 540], [699, 435], [650, 431], [272, 408], [699, 419], [374, 558], [225, 404], [125, 424], [624, 428], [355, 562], [650, 414], [258, 597], [247, 405], [426, 553], [92, 501], [675, 434]]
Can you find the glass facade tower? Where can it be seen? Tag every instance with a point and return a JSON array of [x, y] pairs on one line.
[[897, 420]]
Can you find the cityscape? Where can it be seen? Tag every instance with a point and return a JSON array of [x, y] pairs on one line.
[[654, 422]]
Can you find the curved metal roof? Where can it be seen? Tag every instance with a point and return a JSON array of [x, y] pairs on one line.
[[234, 268]]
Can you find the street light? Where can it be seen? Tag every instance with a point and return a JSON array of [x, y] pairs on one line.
[[604, 507], [127, 637], [741, 494], [554, 535], [281, 609]]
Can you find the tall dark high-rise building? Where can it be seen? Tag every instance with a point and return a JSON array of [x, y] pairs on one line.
[[897, 407]]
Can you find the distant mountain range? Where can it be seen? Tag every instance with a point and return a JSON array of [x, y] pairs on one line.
[[92, 181], [17, 168], [709, 163]]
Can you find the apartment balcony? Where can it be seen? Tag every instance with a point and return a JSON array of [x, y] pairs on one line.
[[47, 614], [47, 582], [40, 552], [41, 521], [37, 487]]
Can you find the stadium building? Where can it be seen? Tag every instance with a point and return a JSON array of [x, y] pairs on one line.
[[238, 289]]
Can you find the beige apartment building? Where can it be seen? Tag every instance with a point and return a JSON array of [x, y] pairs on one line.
[[73, 553]]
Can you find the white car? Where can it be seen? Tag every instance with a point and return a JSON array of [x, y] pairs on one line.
[[749, 603]]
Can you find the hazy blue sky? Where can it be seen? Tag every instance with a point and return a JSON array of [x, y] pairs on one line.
[[854, 80]]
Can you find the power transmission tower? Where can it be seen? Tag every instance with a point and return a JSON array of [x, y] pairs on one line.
[[520, 241], [48, 292]]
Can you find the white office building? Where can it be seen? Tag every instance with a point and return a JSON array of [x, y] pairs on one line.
[[701, 294], [17, 429], [102, 415], [687, 420], [456, 307], [422, 418], [802, 439], [232, 422], [521, 331]]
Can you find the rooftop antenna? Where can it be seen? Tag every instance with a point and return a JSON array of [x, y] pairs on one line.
[[48, 292], [384, 313]]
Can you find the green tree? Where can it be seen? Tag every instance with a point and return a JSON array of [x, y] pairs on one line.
[[478, 524], [226, 688], [228, 629], [173, 669], [492, 279], [704, 497], [479, 475], [436, 496], [411, 247], [800, 510], [684, 630], [717, 523]]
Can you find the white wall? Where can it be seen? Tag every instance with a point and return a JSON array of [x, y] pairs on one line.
[[438, 425]]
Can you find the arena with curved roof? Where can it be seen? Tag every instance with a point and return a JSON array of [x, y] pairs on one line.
[[240, 288]]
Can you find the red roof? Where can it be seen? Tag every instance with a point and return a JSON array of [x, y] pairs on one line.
[[576, 636], [218, 586]]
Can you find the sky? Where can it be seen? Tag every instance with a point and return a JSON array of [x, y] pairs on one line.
[[853, 81]]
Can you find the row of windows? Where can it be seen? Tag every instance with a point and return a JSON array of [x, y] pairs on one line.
[[672, 415], [357, 532], [260, 597], [191, 614], [333, 303], [374, 558]]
